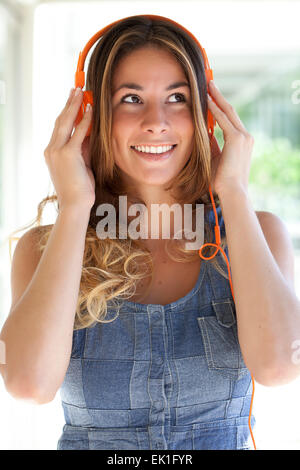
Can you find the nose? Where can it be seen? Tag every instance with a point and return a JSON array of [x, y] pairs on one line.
[[154, 119]]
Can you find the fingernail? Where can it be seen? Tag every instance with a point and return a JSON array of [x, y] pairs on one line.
[[213, 84], [77, 91], [209, 97]]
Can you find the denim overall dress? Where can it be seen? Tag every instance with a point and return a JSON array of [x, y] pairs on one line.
[[161, 377]]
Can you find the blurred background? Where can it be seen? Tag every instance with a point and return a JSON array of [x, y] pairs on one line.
[[253, 48]]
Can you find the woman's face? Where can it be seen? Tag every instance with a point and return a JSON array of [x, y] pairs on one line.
[[151, 114]]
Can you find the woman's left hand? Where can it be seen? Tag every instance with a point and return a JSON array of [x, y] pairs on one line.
[[231, 166]]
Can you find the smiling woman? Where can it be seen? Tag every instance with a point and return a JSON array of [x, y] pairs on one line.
[[151, 358]]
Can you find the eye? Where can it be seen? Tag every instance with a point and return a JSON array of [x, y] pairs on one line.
[[126, 96], [136, 96], [179, 94]]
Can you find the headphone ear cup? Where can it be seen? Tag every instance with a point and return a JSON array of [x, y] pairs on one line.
[[87, 98]]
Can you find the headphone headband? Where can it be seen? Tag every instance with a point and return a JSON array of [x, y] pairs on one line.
[[88, 96]]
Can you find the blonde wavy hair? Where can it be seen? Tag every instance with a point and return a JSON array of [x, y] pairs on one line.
[[112, 267]]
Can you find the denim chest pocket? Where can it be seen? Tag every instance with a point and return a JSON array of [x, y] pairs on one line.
[[220, 339]]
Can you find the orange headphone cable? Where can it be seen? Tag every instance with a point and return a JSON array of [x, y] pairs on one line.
[[217, 244]]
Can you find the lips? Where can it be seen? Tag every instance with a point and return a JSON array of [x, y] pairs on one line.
[[154, 156], [133, 147]]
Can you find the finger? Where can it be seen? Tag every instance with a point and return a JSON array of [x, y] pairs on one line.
[[82, 128], [226, 107], [224, 122], [70, 97], [65, 122], [68, 102]]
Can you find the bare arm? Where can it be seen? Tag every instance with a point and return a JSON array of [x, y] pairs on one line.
[[268, 310], [38, 331]]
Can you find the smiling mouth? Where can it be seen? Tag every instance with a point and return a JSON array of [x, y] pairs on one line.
[[152, 154], [155, 157]]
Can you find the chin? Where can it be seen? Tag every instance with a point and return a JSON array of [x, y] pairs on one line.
[[153, 178]]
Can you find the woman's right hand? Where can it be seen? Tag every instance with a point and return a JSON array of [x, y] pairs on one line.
[[68, 159]]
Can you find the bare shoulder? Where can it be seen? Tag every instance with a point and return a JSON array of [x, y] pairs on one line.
[[280, 243], [26, 257], [271, 224], [30, 239]]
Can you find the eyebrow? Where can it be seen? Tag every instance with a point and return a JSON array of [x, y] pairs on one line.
[[135, 86]]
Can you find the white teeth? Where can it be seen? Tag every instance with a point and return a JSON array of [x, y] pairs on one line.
[[151, 149]]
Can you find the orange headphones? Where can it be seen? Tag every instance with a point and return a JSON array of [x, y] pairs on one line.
[[211, 122]]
